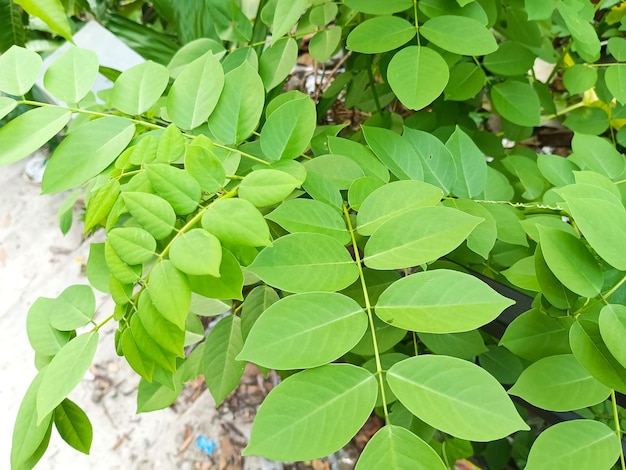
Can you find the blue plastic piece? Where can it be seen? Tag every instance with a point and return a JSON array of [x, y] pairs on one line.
[[205, 444]]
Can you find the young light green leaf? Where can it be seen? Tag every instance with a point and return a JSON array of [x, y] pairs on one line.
[[65, 372], [305, 262], [170, 292], [601, 217], [73, 425], [417, 75], [176, 186], [6, 105], [580, 444], [286, 15], [277, 61], [29, 131], [85, 152], [380, 34], [267, 187], [236, 222], [360, 154], [559, 383], [71, 76], [152, 212], [311, 216], [288, 423], [133, 245], [480, 410], [598, 155], [284, 137], [167, 335], [43, 338], [52, 13], [19, 68], [205, 167], [395, 152], [222, 371], [483, 237], [400, 446], [100, 203], [197, 252], [194, 50], [392, 200], [155, 396], [440, 301], [591, 352], [471, 167], [227, 286], [74, 308], [139, 87], [517, 102], [571, 262], [307, 330], [612, 328], [459, 35], [325, 43], [195, 92], [257, 301], [171, 145], [417, 237], [522, 274], [240, 106]]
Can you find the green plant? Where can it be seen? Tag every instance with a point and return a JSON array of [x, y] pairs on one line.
[[343, 256]]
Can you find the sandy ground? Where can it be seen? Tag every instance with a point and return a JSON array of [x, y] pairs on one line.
[[37, 260]]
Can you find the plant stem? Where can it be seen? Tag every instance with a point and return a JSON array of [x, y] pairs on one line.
[[370, 76], [612, 290], [566, 110], [103, 322], [368, 308], [618, 429]]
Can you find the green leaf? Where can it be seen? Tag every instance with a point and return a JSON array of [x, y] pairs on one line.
[[483, 237], [267, 187], [539, 9], [171, 145], [341, 171], [440, 301], [557, 170], [459, 35], [380, 34], [522, 274], [205, 167], [511, 58], [320, 188], [505, 366], [284, 137], [571, 262], [43, 338], [394, 199], [100, 203], [170, 292], [395, 152], [612, 328], [304, 262], [360, 154], [193, 50], [139, 87], [148, 347], [19, 68], [323, 14], [257, 301], [480, 410], [85, 152], [65, 372], [6, 105], [71, 76], [579, 78], [559, 383], [601, 217], [74, 308], [222, 371], [580, 444], [311, 216], [534, 335], [288, 424], [152, 212], [139, 363], [590, 350], [277, 61], [598, 155], [227, 286], [417, 75], [97, 271], [586, 40], [236, 222], [154, 396], [176, 186], [437, 161], [51, 12], [168, 336], [240, 106], [286, 14], [617, 47], [374, 7], [29, 131], [132, 244], [466, 81], [12, 30], [516, 102], [303, 331], [325, 43], [73, 426], [590, 120], [466, 345], [197, 252], [471, 167], [417, 237], [195, 92], [28, 435], [551, 288], [400, 446]]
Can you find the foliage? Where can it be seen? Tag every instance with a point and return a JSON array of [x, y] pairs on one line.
[[343, 257]]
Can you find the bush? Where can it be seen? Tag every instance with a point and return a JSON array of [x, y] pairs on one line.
[[343, 254]]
